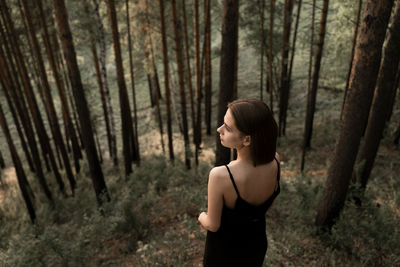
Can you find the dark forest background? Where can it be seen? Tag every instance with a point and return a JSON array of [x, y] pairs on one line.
[[109, 110]]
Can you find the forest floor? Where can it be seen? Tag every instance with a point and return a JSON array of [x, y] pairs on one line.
[[152, 217]]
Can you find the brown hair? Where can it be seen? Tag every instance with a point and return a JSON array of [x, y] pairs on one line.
[[253, 117]]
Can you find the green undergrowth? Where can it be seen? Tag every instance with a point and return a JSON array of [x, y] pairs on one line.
[[151, 219]]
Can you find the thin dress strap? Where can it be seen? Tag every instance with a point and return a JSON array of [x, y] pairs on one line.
[[233, 181]]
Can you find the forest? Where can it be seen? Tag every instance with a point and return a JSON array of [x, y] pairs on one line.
[[108, 118]]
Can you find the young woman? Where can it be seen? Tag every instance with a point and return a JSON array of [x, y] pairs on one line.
[[240, 193]]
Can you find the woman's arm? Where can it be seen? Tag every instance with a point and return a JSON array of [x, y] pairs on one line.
[[211, 220]]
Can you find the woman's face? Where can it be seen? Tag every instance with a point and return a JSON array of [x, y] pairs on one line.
[[229, 135]]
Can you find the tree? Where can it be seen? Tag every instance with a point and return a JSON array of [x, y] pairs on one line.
[[188, 69], [352, 52], [312, 93], [2, 163], [306, 144], [166, 80], [261, 4], [21, 177], [284, 86], [127, 125], [135, 137], [384, 92], [228, 70], [355, 114], [48, 97], [109, 116], [64, 31], [181, 76], [270, 58], [207, 66], [31, 99], [70, 129]]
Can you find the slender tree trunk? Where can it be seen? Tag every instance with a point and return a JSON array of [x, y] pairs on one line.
[[48, 97], [166, 80], [135, 137], [181, 76], [208, 66], [127, 126], [384, 91], [357, 24], [309, 108], [262, 43], [284, 89], [110, 113], [14, 114], [21, 177], [355, 114], [36, 116], [292, 53], [64, 31], [227, 70], [188, 69], [270, 59], [314, 86], [153, 81]]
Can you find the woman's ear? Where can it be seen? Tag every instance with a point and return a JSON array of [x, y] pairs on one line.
[[247, 140]]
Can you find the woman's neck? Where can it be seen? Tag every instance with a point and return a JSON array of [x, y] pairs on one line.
[[244, 154]]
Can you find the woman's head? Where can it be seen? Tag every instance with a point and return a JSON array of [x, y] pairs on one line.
[[254, 120]]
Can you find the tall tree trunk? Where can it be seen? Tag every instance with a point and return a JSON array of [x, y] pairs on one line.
[[317, 67], [197, 74], [188, 69], [228, 61], [292, 53], [135, 137], [153, 82], [309, 108], [270, 59], [107, 97], [262, 44], [181, 76], [284, 88], [127, 126], [48, 97], [14, 114], [166, 80], [33, 106], [208, 66], [64, 31], [384, 91], [21, 177], [355, 114], [357, 24]]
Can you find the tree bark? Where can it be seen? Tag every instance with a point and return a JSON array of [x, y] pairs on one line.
[[166, 80], [208, 66], [21, 177], [64, 31], [305, 145], [48, 97], [357, 24], [284, 88], [292, 53], [317, 67], [127, 126], [135, 137], [355, 114], [181, 77], [188, 68], [262, 43], [31, 99], [270, 59], [227, 70], [384, 91], [107, 97]]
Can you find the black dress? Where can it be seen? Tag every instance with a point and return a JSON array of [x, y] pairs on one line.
[[241, 239]]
